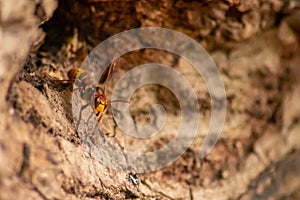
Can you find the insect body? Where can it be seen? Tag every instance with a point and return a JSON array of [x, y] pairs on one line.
[[91, 92]]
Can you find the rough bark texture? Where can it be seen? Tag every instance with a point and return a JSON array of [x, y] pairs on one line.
[[255, 44]]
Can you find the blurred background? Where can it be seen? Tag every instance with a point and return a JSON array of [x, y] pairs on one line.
[[254, 43]]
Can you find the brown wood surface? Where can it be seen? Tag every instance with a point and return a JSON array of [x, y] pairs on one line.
[[255, 44]]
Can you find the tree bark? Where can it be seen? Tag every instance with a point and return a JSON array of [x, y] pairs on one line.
[[255, 45]]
